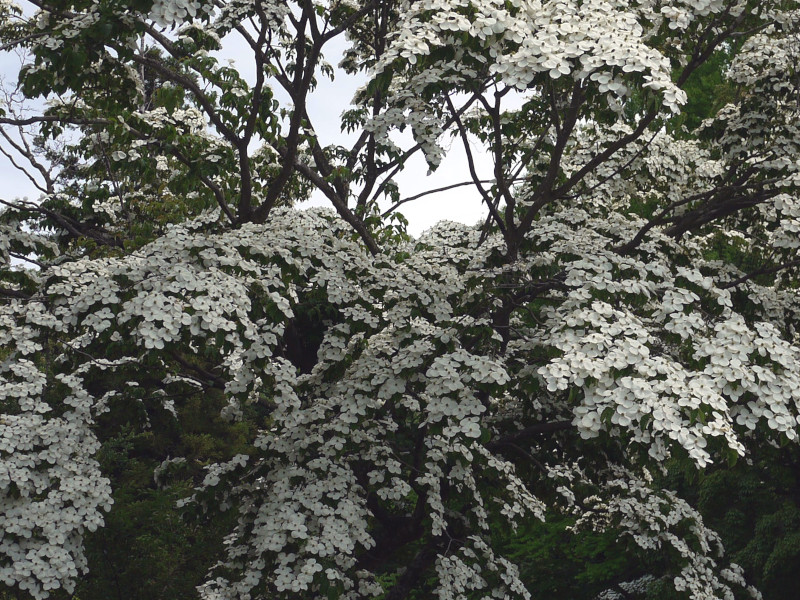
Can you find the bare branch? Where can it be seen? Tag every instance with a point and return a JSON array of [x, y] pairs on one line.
[[487, 199], [20, 167], [528, 432], [761, 271], [340, 206], [445, 188]]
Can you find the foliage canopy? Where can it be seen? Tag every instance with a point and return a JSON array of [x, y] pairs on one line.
[[342, 411]]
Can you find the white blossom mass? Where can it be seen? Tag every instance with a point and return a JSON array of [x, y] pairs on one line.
[[632, 297]]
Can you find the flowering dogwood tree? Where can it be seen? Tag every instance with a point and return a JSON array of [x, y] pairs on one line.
[[633, 294]]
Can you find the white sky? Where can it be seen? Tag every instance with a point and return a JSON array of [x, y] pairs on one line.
[[325, 106]]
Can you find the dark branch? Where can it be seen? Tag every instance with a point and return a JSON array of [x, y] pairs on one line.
[[529, 432], [762, 271]]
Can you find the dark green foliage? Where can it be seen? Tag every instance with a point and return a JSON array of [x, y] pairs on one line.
[[707, 91], [561, 564], [150, 549], [756, 510]]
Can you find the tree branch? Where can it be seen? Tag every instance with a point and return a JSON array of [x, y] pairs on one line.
[[758, 272], [462, 132], [528, 432]]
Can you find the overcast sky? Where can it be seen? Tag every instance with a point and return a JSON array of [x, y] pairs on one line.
[[326, 104]]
